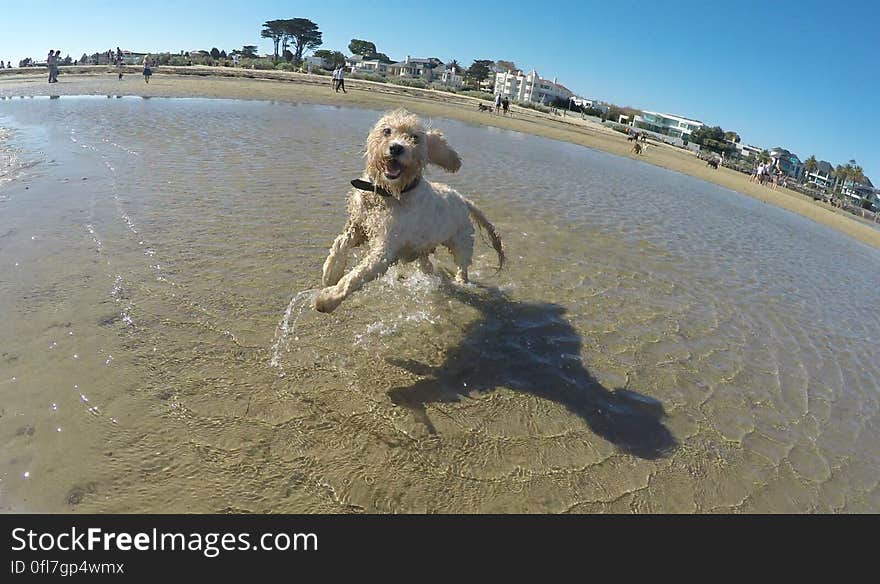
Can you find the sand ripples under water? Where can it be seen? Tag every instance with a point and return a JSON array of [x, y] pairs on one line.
[[657, 343]]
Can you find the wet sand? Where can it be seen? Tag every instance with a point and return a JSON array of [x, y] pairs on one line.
[[217, 82]]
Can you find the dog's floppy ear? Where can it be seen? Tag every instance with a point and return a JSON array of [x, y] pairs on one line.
[[440, 153]]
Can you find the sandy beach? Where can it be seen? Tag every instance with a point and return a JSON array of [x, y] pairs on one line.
[[215, 82]]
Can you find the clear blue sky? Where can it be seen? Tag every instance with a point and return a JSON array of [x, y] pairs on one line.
[[803, 75]]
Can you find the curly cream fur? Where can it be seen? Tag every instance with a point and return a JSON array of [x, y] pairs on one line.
[[406, 226]]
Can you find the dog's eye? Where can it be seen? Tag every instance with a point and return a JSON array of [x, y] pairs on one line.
[[387, 131], [415, 138]]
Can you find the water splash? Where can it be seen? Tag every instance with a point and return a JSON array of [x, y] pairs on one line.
[[295, 308]]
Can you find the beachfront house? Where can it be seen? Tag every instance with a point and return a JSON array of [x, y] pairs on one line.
[[374, 66], [590, 104], [823, 176], [861, 193], [789, 163], [132, 58], [530, 87], [428, 70], [319, 62], [449, 76], [747, 150], [415, 68], [677, 128]]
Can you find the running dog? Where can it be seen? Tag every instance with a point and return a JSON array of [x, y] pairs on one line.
[[484, 108], [400, 216]]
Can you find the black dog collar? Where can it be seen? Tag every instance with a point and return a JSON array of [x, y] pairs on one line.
[[368, 186]]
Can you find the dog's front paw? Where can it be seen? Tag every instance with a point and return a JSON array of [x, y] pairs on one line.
[[326, 300]]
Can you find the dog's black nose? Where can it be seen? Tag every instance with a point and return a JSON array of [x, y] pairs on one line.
[[396, 149]]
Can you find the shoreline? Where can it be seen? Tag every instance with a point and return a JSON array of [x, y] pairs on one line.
[[220, 82]]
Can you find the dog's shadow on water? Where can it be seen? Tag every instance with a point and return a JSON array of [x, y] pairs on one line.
[[532, 348]]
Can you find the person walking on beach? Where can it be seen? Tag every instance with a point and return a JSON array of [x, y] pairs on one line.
[[497, 103], [505, 105], [340, 80], [335, 78], [50, 64], [147, 70], [119, 61]]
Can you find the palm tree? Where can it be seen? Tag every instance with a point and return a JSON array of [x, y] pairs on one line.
[[453, 64], [856, 174], [810, 164], [841, 173], [850, 173]]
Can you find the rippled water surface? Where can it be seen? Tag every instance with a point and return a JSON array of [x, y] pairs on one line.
[[656, 344]]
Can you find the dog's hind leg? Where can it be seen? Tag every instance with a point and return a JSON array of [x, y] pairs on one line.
[[462, 248], [334, 266]]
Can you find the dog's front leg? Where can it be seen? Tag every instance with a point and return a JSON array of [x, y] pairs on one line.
[[334, 266], [373, 266]]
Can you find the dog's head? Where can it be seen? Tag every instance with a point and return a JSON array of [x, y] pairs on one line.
[[399, 147]]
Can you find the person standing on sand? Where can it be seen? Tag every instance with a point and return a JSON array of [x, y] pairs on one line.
[[497, 103], [147, 70], [335, 77]]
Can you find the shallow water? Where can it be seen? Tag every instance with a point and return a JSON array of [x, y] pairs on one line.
[[657, 344]]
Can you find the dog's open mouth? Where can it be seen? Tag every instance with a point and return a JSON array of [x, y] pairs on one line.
[[393, 169]]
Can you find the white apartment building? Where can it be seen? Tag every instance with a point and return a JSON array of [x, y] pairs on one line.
[[531, 87], [677, 127]]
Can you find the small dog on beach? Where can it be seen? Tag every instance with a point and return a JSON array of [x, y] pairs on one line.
[[484, 108], [400, 216]]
